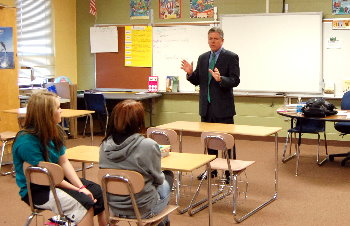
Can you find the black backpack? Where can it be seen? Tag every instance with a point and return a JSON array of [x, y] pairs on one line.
[[318, 107]]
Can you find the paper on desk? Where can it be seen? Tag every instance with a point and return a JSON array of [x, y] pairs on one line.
[[342, 113]]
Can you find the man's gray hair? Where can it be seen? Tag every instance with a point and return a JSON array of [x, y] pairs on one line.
[[218, 30]]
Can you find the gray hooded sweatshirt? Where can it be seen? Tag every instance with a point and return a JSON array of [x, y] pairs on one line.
[[139, 154]]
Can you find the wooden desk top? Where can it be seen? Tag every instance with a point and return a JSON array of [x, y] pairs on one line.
[[332, 118], [66, 113], [185, 162], [83, 153], [222, 128]]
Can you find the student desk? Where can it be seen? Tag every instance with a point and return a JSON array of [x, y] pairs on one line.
[[233, 129], [66, 113], [184, 162], [129, 95]]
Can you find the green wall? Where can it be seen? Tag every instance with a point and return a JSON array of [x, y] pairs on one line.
[[172, 107]]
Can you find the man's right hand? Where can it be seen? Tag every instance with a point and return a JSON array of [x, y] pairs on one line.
[[187, 67]]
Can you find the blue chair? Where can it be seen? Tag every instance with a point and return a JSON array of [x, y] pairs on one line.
[[96, 102], [343, 128], [304, 125]]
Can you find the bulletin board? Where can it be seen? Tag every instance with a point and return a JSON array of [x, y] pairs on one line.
[[111, 71]]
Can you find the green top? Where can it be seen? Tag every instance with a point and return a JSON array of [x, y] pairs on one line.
[[27, 149]]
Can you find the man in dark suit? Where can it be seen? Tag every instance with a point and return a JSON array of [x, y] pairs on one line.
[[217, 72]]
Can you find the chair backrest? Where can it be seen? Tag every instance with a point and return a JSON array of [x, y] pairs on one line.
[[35, 173], [95, 102], [120, 187], [345, 101], [121, 182], [217, 141], [311, 125], [47, 174], [163, 136]]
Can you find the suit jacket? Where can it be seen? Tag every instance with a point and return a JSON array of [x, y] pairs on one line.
[[221, 93]]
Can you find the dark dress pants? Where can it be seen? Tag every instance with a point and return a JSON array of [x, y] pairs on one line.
[[210, 117]]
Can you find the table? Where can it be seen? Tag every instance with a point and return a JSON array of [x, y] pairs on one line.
[[294, 115], [131, 95], [66, 113], [233, 129], [83, 154], [184, 162]]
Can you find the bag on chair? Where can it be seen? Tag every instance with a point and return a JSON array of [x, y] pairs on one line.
[[318, 107]]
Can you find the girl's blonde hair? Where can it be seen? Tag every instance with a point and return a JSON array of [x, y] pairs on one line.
[[40, 122]]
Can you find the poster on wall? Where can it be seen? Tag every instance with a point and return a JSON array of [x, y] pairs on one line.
[[104, 39], [138, 46], [202, 8], [6, 48], [341, 7], [140, 9], [169, 9]]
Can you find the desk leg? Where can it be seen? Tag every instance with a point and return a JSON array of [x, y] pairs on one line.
[[180, 142], [150, 103], [91, 129], [210, 204], [298, 148], [83, 172], [289, 136], [274, 197], [178, 179]]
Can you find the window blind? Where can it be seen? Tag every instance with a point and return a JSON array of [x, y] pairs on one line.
[[35, 47]]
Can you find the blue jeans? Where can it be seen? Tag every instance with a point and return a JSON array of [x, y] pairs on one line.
[[164, 196]]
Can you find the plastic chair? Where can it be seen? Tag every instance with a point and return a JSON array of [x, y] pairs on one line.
[[127, 183], [47, 174], [343, 128], [5, 138], [304, 125], [96, 102], [222, 142]]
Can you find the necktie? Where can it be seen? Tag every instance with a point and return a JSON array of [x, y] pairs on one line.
[[211, 66]]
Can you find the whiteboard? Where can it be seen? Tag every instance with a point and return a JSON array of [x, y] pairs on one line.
[[336, 58], [171, 44], [278, 52]]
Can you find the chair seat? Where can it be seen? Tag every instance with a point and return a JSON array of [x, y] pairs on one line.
[[343, 127], [151, 220], [305, 130], [7, 135], [236, 165]]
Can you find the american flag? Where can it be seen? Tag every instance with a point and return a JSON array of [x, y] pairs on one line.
[[93, 7]]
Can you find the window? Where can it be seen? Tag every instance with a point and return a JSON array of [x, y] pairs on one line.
[[35, 40]]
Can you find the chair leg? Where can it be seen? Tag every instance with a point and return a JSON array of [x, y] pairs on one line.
[[30, 218], [1, 158], [235, 194], [107, 119], [326, 148], [298, 155]]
